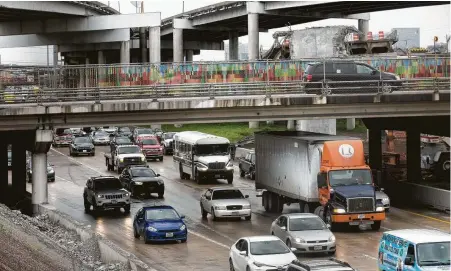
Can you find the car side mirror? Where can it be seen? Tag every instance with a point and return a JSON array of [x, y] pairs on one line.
[[328, 226], [243, 253], [158, 175], [182, 216], [373, 72], [408, 261], [283, 228], [293, 249], [246, 197]]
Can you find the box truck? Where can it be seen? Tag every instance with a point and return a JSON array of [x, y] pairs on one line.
[[325, 174]]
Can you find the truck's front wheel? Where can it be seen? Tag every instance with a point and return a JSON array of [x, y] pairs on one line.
[[328, 220], [376, 226]]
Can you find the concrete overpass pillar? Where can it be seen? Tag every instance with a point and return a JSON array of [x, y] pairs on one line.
[[178, 44], [350, 124], [253, 46], [55, 55], [325, 126], [154, 45], [364, 27], [39, 192], [18, 170], [413, 155], [189, 55], [143, 44], [290, 125], [125, 52], [375, 149], [3, 170], [233, 46], [101, 57]]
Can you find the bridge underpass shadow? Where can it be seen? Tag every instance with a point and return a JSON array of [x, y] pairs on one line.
[[14, 202]]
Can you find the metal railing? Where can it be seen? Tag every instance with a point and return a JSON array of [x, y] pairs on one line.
[[213, 91], [145, 74]]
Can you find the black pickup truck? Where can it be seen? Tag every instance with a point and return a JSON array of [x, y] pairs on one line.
[[247, 165]]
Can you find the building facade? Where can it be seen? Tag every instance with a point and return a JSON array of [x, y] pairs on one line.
[[408, 37]]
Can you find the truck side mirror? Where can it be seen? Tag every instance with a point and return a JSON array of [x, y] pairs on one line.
[[408, 261]]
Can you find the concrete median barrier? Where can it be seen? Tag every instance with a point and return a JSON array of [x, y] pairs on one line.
[[109, 252]]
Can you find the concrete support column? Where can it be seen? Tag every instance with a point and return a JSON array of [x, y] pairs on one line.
[[177, 45], [364, 27], [290, 125], [350, 124], [143, 44], [101, 57], [39, 190], [18, 170], [189, 55], [375, 149], [413, 155], [233, 45], [325, 126], [3, 170], [125, 52], [154, 45], [253, 46], [155, 126], [55, 55]]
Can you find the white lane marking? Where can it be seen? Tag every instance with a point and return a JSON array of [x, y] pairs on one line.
[[208, 239], [385, 228], [370, 257], [58, 177], [76, 161]]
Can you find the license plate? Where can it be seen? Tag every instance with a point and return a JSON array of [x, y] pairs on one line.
[[317, 248], [84, 150], [235, 213], [114, 201], [361, 216], [217, 176], [169, 234], [356, 223]]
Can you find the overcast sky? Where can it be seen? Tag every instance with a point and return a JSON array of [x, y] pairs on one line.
[[432, 21]]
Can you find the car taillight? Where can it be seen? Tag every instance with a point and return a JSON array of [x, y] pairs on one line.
[[309, 77]]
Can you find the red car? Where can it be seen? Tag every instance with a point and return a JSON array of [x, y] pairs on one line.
[[150, 146]]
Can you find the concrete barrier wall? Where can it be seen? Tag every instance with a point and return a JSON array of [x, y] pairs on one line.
[[109, 252]]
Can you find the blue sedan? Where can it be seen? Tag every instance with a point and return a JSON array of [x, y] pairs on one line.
[[159, 223]]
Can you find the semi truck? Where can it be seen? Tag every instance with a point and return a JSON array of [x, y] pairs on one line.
[[325, 174]]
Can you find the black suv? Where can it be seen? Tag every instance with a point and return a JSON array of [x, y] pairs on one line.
[[140, 179], [356, 74], [82, 145], [319, 265]]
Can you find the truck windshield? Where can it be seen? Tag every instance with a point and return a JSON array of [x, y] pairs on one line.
[[433, 254], [350, 177], [127, 150], [217, 149]]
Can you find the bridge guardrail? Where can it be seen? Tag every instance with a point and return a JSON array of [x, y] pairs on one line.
[[146, 74], [212, 91]]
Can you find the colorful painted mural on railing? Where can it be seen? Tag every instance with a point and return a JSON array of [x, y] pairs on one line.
[[191, 73]]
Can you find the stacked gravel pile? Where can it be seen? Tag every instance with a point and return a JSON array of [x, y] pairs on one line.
[[69, 241]]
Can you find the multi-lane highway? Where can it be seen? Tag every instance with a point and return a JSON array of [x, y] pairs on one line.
[[208, 242]]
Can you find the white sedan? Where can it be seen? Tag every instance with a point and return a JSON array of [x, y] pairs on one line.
[[260, 253]]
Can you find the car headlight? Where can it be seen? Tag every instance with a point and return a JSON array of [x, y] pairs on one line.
[[137, 183], [339, 211], [51, 171], [259, 264], [126, 194], [152, 229], [380, 209], [220, 208], [299, 240], [100, 196], [248, 206], [230, 164], [397, 77], [332, 238], [385, 199], [160, 149], [160, 182], [183, 227], [143, 158], [121, 160]]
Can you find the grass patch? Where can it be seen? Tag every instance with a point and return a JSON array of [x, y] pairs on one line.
[[359, 126], [232, 131]]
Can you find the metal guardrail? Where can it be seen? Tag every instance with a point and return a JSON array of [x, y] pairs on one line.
[[212, 91]]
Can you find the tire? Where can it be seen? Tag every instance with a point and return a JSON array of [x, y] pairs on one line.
[[86, 204], [184, 240], [265, 201], [161, 195], [242, 173], [288, 242], [135, 232], [248, 217], [231, 267], [132, 191], [253, 175], [197, 177], [386, 88], [127, 208], [203, 212], [230, 179], [213, 216], [119, 170], [93, 154], [182, 175], [146, 241], [331, 253], [95, 208], [376, 226], [328, 220]]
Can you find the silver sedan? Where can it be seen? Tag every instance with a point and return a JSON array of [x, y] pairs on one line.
[[305, 232], [225, 202]]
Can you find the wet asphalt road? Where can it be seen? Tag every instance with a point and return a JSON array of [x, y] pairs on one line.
[[208, 242]]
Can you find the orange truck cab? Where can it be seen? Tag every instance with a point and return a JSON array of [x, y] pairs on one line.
[[346, 187], [150, 146]]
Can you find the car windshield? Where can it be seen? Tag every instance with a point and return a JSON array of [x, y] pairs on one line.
[[227, 194], [350, 177], [162, 214], [82, 140], [123, 140], [107, 184], [169, 135], [149, 141], [306, 224], [143, 172], [268, 247], [216, 149], [124, 129], [101, 134], [433, 254], [144, 131], [127, 150]]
